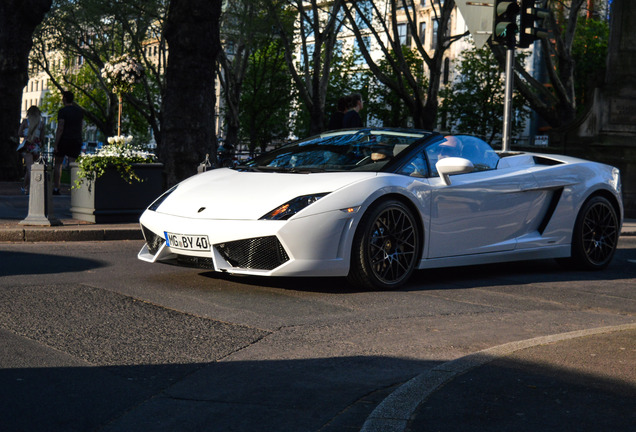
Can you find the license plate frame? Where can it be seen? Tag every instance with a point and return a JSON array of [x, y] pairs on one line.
[[189, 242]]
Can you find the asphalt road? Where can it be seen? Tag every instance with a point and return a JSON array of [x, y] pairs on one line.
[[94, 339]]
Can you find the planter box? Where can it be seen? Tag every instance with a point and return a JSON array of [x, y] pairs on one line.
[[109, 199]]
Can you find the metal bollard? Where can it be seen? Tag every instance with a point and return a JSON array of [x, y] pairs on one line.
[[40, 197]]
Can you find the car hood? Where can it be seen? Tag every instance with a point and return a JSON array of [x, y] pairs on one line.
[[229, 194]]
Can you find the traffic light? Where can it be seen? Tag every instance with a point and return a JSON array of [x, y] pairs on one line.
[[529, 15], [505, 23]]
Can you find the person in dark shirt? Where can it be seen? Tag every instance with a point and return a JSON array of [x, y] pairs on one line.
[[335, 122], [352, 117], [68, 137]]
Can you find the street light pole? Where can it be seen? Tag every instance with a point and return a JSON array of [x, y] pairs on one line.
[[507, 118]]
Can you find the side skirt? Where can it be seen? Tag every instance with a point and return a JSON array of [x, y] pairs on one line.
[[549, 252]]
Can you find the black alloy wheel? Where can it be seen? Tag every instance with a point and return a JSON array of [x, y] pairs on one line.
[[386, 247], [595, 235]]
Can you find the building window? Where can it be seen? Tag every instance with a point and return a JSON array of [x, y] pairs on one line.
[[435, 30], [403, 34], [423, 32]]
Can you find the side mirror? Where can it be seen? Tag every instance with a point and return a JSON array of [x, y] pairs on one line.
[[453, 165]]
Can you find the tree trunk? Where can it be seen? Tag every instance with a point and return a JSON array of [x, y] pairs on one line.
[[18, 20], [188, 123]]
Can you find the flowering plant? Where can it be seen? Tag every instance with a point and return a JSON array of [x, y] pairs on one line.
[[122, 73], [119, 153]]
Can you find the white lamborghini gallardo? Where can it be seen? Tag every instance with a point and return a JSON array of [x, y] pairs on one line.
[[374, 205]]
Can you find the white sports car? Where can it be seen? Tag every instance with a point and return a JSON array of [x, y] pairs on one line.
[[376, 204]]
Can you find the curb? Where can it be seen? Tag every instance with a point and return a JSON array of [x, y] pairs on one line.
[[394, 413], [102, 233]]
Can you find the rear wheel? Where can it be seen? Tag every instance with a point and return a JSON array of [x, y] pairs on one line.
[[386, 247], [595, 235]]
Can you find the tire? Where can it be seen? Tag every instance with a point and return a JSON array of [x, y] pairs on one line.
[[595, 235], [385, 248]]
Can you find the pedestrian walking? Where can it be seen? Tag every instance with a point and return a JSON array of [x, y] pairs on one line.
[[68, 137], [32, 131]]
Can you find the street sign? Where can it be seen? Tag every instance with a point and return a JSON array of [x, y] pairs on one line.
[[541, 140], [478, 15]]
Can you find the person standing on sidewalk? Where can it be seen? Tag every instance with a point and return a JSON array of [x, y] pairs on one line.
[[68, 137], [32, 129]]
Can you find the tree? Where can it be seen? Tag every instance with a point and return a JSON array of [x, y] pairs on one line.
[[76, 40], [555, 103], [316, 29], [473, 103], [18, 20], [188, 101], [385, 104], [245, 28], [347, 75], [266, 98], [368, 19], [589, 50]]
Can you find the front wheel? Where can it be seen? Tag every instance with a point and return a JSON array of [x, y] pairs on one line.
[[595, 235], [385, 247]]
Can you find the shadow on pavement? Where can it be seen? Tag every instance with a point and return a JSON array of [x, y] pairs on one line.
[[623, 266], [17, 263], [515, 393], [327, 395]]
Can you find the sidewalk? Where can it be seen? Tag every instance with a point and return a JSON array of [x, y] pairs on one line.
[[14, 207]]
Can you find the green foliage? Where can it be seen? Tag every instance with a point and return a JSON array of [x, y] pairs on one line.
[[266, 97], [589, 50], [474, 102], [93, 99], [383, 103], [76, 40]]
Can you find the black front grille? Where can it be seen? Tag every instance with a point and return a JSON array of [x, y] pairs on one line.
[[261, 253], [153, 241]]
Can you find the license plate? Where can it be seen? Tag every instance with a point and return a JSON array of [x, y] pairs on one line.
[[187, 242]]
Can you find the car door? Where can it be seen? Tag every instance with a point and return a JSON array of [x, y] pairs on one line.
[[479, 212]]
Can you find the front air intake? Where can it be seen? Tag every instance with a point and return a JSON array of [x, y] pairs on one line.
[[261, 253], [153, 241]]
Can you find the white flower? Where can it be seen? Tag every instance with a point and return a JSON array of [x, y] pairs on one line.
[[123, 72]]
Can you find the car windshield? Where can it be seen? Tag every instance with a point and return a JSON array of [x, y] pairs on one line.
[[348, 150]]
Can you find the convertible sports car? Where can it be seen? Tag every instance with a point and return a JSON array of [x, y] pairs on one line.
[[376, 204]]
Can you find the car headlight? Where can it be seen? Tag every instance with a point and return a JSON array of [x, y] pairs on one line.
[[156, 203], [292, 207]]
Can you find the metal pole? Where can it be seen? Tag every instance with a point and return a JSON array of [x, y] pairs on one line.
[[507, 119]]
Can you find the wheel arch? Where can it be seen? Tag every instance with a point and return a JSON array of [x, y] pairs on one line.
[[411, 206], [611, 198]]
